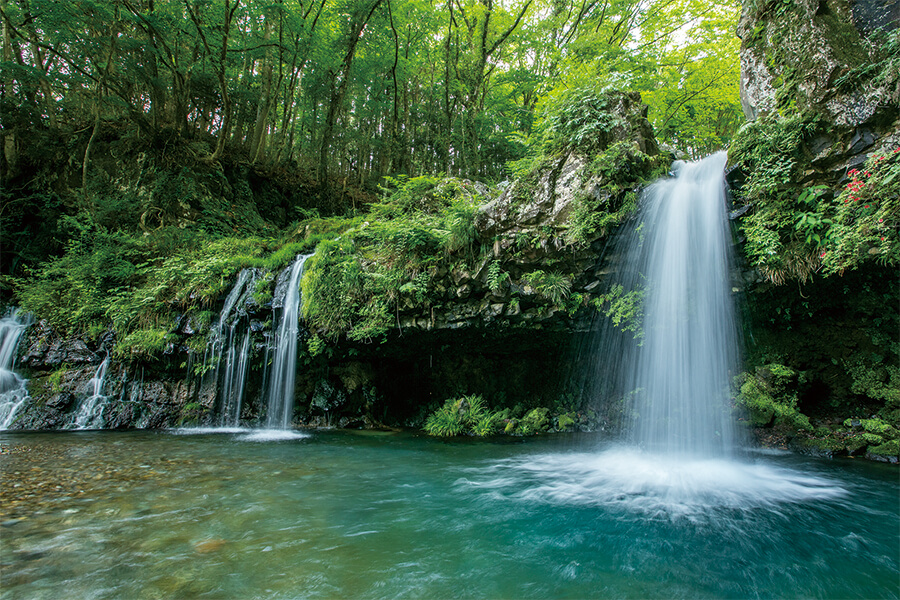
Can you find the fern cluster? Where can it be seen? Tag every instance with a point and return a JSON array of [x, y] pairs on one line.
[[467, 415]]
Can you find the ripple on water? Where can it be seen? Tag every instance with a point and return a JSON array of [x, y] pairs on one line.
[[207, 430], [651, 484], [249, 434]]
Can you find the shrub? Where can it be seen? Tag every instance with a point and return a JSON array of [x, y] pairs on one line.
[[465, 415]]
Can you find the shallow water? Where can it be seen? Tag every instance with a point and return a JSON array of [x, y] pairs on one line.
[[237, 514]]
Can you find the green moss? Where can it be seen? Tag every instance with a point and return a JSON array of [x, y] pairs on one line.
[[822, 444], [891, 448], [535, 421], [619, 170], [566, 421], [192, 413], [770, 397], [54, 380]]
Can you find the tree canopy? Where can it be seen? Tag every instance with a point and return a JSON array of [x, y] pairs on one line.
[[352, 90]]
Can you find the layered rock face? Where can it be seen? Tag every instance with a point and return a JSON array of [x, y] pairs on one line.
[[499, 325], [531, 227], [820, 86], [825, 58]]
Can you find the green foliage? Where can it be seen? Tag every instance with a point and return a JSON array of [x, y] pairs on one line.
[[71, 291], [783, 234], [566, 421], [619, 171], [495, 277], [581, 119], [341, 295], [192, 413], [535, 421], [624, 309], [865, 217], [890, 448], [465, 415], [875, 379], [770, 397], [882, 70], [462, 234], [354, 286], [553, 286], [145, 344]]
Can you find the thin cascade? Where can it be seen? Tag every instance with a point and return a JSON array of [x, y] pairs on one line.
[[237, 363], [13, 392], [228, 350], [91, 409], [676, 264], [284, 347]]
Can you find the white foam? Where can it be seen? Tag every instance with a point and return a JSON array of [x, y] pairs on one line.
[[272, 435], [651, 484], [207, 430]]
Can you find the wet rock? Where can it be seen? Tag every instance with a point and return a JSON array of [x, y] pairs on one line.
[[60, 401], [863, 139], [820, 143]]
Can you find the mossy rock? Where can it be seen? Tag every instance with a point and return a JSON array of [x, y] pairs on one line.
[[536, 421], [566, 421], [887, 452]]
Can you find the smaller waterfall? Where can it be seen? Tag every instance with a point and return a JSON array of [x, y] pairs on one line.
[[12, 387], [237, 363], [229, 350], [282, 376], [90, 410]]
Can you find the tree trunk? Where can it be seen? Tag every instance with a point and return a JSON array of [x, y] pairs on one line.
[[340, 90]]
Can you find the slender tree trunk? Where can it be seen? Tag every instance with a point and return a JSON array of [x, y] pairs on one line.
[[339, 90], [265, 100]]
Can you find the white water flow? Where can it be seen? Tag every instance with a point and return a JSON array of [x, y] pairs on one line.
[[282, 376], [679, 375], [237, 363], [675, 378], [90, 410], [229, 349], [13, 393]]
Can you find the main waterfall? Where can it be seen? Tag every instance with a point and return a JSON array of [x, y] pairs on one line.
[[669, 373], [677, 261]]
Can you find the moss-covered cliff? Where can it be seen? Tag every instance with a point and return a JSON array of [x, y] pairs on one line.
[[817, 178], [478, 279]]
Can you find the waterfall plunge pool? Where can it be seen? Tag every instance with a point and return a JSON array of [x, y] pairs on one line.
[[231, 514]]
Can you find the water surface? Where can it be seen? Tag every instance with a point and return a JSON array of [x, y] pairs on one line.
[[243, 514]]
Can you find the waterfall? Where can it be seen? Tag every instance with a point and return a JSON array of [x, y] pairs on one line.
[[284, 347], [12, 387], [237, 363], [677, 261], [229, 347], [90, 410]]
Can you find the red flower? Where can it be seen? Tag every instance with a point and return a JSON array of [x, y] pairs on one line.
[[867, 206]]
